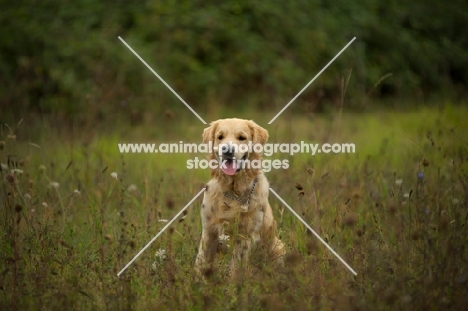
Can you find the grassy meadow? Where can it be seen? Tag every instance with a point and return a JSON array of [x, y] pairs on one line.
[[74, 211]]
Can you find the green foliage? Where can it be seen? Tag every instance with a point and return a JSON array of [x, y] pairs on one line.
[[74, 212], [65, 57]]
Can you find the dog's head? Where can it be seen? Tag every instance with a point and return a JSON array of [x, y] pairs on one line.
[[233, 143]]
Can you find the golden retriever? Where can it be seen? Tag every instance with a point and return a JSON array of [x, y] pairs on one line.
[[236, 195]]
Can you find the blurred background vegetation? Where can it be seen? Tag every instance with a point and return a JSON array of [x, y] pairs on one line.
[[74, 210], [64, 57]]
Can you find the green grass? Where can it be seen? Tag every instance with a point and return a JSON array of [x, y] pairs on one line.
[[61, 248]]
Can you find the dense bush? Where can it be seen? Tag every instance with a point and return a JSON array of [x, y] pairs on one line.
[[65, 57]]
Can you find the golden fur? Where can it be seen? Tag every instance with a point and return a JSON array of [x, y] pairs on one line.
[[256, 224]]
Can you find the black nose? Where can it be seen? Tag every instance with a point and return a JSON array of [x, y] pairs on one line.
[[227, 150]]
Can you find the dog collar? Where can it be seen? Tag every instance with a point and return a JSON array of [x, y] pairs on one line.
[[245, 201]]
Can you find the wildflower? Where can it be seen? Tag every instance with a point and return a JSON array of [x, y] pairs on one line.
[[3, 166], [114, 175], [17, 171], [224, 237], [162, 220], [161, 254], [45, 204], [54, 184], [399, 182], [76, 193], [27, 196], [406, 195], [132, 188], [420, 175]]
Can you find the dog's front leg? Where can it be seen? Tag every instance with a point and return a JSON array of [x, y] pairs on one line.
[[207, 249], [248, 230], [209, 239]]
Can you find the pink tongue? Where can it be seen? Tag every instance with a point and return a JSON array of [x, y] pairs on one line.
[[229, 167]]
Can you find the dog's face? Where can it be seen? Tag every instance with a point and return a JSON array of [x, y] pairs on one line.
[[231, 139]]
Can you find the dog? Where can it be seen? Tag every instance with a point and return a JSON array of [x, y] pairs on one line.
[[236, 196]]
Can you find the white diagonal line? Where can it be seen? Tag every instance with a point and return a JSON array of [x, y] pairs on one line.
[[160, 232], [316, 76], [164, 82], [312, 230]]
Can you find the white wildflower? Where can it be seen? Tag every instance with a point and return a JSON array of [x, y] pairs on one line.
[[114, 175], [4, 166], [17, 171], [224, 237], [45, 204], [399, 182], [162, 220], [406, 195], [132, 188], [76, 193], [161, 254], [54, 184]]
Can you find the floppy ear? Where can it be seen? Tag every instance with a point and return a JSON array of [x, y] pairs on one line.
[[208, 133], [259, 134]]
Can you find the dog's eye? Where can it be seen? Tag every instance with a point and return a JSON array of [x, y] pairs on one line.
[[220, 136], [242, 138]]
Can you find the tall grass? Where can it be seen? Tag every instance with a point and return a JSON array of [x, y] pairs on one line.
[[74, 211]]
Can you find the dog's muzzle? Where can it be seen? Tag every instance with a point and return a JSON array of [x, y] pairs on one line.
[[228, 162]]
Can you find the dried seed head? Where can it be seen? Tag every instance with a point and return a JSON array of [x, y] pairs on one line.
[[310, 171], [18, 208], [170, 203], [10, 178], [425, 162], [299, 186], [350, 220], [2, 145]]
